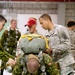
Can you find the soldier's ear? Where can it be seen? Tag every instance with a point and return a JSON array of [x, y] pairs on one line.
[[27, 63], [39, 65]]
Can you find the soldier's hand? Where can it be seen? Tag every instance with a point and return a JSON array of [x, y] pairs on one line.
[[11, 62], [49, 51]]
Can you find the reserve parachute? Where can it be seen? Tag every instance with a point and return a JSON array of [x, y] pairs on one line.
[[33, 43]]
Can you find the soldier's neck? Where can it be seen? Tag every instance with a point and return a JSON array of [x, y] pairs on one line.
[[12, 28]]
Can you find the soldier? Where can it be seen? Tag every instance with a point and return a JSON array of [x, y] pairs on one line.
[[33, 66], [10, 37], [31, 24], [59, 44], [71, 27], [33, 46], [31, 29], [2, 22], [4, 56]]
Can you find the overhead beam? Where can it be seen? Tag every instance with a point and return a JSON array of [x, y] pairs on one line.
[[44, 0]]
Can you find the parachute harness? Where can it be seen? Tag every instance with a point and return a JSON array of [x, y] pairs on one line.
[[40, 54]]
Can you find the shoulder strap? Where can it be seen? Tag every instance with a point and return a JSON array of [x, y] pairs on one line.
[[42, 68]]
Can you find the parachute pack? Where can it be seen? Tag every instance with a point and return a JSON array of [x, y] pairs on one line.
[[33, 43]]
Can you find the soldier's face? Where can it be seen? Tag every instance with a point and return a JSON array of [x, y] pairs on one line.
[[74, 27], [2, 23], [32, 28], [43, 23], [14, 24]]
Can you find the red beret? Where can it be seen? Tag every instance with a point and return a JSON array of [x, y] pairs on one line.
[[31, 22]]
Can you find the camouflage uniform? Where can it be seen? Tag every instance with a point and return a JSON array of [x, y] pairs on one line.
[[60, 44], [4, 57], [34, 44], [9, 40], [50, 69], [72, 40], [8, 45]]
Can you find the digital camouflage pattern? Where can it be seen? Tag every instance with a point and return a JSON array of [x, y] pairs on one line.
[[50, 67], [60, 44], [72, 40]]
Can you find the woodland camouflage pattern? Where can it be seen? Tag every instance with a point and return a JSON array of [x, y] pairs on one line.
[[60, 44], [4, 54], [18, 70], [50, 69], [12, 43]]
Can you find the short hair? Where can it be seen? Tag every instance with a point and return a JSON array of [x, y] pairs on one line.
[[46, 16], [32, 65], [2, 18], [13, 20], [33, 18], [70, 23], [34, 60]]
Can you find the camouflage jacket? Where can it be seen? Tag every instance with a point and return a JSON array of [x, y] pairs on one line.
[[4, 56], [9, 40], [60, 44], [50, 69], [72, 39]]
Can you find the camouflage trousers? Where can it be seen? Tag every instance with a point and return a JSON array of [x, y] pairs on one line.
[[73, 54], [67, 71], [72, 73]]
